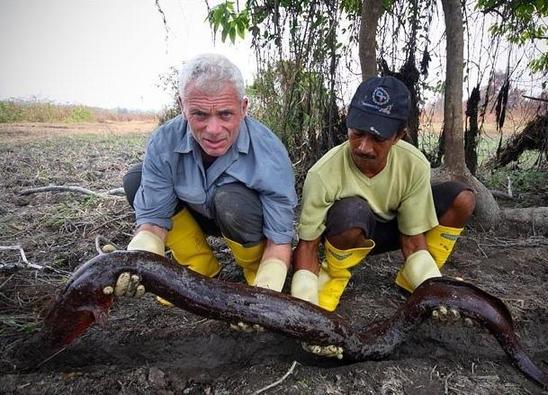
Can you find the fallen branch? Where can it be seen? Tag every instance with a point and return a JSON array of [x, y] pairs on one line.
[[23, 257], [278, 381], [27, 264], [75, 189], [532, 241], [500, 195]]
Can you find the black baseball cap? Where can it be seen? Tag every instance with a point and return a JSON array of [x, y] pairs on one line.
[[379, 106]]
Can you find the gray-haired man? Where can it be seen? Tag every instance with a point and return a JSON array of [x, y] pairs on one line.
[[214, 170]]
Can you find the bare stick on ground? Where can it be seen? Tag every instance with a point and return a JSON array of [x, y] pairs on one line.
[[23, 257], [65, 188], [278, 381], [27, 264]]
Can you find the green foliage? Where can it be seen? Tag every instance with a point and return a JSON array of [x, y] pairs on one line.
[[297, 47], [32, 111], [9, 112], [42, 111], [352, 6], [520, 22], [301, 111], [169, 82], [528, 185], [81, 114], [231, 22], [539, 64]]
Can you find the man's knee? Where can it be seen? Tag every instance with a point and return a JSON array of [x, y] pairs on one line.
[[131, 182], [464, 204], [350, 216], [238, 213]]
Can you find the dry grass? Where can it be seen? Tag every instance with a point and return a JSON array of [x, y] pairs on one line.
[[58, 229], [15, 110]]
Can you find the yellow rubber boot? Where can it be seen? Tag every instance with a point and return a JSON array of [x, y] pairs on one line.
[[248, 258], [417, 268], [440, 242], [189, 247], [334, 275]]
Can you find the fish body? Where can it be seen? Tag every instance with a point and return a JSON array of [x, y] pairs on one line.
[[83, 302]]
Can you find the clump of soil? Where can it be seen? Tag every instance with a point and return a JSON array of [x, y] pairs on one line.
[[146, 348]]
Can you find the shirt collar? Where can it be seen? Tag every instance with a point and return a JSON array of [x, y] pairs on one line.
[[187, 143]]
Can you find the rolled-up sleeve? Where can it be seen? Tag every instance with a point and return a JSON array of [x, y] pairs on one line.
[[279, 208], [416, 213], [316, 202], [156, 200]]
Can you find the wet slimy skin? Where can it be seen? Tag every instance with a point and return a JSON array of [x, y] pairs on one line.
[[83, 302]]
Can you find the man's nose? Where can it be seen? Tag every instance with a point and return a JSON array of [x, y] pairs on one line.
[[213, 125], [366, 144]]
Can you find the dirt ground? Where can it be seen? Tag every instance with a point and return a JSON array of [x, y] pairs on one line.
[[147, 348]]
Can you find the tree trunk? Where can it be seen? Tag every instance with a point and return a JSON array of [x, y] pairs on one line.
[[452, 112], [532, 220], [487, 212], [371, 12]]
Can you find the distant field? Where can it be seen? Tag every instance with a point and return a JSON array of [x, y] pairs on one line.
[[34, 131], [39, 111]]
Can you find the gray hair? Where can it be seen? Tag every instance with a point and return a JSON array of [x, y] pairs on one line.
[[209, 72]]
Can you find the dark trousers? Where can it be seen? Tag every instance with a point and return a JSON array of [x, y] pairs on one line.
[[238, 211], [354, 212]]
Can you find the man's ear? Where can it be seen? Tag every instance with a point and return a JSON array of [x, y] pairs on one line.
[[400, 135], [245, 104]]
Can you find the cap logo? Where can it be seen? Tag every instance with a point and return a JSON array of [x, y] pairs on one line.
[[380, 96], [372, 128], [386, 110]]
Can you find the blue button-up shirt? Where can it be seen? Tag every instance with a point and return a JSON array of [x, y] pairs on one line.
[[173, 170]]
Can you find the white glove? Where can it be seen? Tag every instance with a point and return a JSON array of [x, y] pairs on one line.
[[305, 286], [271, 274], [419, 267], [147, 241]]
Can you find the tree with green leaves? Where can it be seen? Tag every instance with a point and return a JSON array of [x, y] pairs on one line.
[[521, 22], [298, 59], [298, 37]]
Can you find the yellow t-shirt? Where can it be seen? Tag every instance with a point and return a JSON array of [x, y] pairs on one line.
[[401, 190]]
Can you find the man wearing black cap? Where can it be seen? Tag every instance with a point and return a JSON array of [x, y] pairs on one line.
[[373, 194]]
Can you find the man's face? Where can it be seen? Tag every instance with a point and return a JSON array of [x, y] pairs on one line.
[[214, 117], [368, 151]]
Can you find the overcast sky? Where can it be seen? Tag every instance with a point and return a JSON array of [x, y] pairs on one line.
[[106, 53], [110, 53]]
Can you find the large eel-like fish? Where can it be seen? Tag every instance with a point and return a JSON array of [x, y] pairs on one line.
[[83, 302]]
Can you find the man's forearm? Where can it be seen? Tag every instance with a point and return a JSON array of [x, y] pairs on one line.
[[305, 256], [412, 244]]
